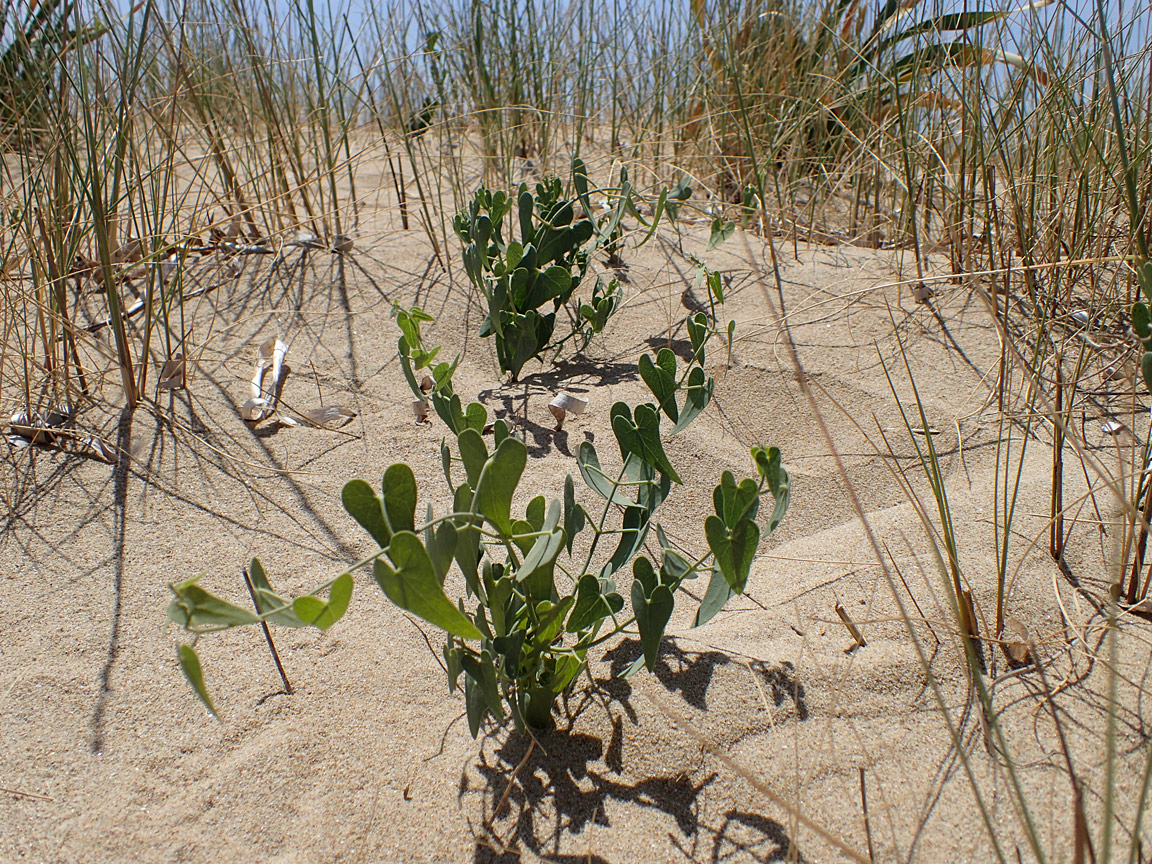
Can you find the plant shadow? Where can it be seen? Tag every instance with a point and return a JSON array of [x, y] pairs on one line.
[[690, 674], [563, 786], [567, 781]]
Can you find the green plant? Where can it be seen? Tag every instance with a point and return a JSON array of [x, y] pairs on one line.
[[540, 601], [527, 281]]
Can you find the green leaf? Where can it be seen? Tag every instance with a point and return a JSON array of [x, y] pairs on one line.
[[196, 609], [719, 592], [633, 533], [312, 610], [589, 464], [534, 513], [661, 380], [441, 546], [550, 620], [446, 462], [641, 436], [1146, 369], [1144, 273], [768, 464], [722, 229], [698, 395], [482, 671], [735, 503], [734, 549], [524, 204], [473, 453], [497, 485], [643, 572], [475, 705], [552, 283], [367, 509], [698, 335], [652, 614], [268, 600], [574, 516], [414, 586], [537, 568], [591, 604], [400, 498], [190, 666], [1141, 320], [467, 539], [475, 417]]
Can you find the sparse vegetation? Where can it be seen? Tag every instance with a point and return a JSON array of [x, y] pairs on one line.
[[163, 161]]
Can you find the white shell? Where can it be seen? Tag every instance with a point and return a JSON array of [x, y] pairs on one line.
[[1080, 317], [568, 402]]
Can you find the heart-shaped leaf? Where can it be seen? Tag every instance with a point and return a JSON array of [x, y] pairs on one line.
[[312, 610], [400, 498], [643, 572], [592, 605], [721, 230], [734, 549], [652, 614], [779, 484], [735, 503], [475, 417], [641, 436], [498, 482], [1146, 369], [365, 506], [661, 382], [411, 583]]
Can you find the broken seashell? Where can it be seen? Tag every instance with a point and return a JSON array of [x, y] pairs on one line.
[[571, 404], [1080, 317], [426, 384], [255, 410], [1016, 643], [331, 416], [58, 417], [172, 373], [559, 414], [342, 243], [1112, 427], [420, 410]]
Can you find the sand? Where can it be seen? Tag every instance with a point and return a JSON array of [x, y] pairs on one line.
[[106, 754]]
